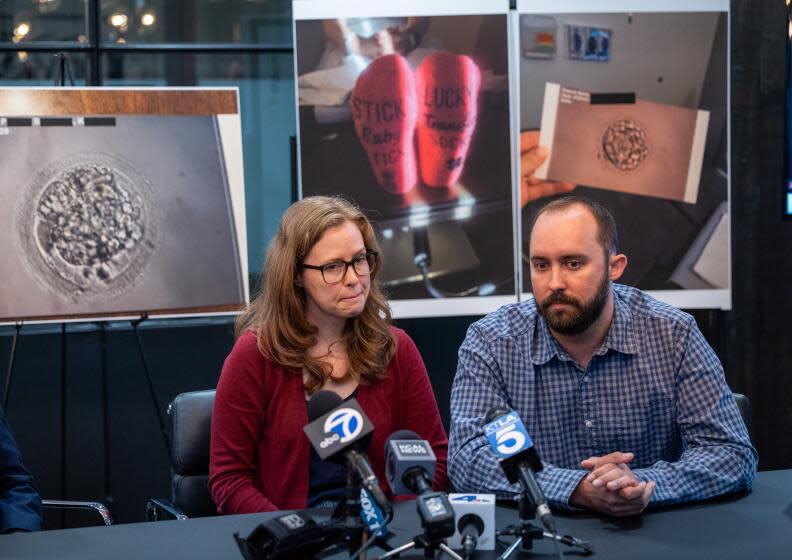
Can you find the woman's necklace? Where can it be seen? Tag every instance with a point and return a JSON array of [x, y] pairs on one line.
[[338, 362]]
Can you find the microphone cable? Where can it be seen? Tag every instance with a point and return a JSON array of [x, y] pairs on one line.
[[369, 543], [558, 546]]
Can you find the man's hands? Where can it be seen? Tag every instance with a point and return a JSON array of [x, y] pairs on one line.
[[611, 487]]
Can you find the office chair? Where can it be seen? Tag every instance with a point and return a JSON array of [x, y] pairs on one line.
[[98, 507], [190, 416], [744, 406]]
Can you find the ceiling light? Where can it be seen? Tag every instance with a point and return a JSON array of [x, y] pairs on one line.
[[118, 20], [22, 29]]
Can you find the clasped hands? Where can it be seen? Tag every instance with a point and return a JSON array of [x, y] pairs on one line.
[[611, 487]]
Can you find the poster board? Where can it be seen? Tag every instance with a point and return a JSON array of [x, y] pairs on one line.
[[121, 202], [405, 109], [656, 88]]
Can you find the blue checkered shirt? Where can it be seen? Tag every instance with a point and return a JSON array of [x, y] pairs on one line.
[[654, 388]]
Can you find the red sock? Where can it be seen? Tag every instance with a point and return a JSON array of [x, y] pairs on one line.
[[448, 86], [384, 109]]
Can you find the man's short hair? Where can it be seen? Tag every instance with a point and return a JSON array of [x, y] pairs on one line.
[[607, 235]]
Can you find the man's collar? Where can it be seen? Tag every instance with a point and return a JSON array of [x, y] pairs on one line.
[[545, 346], [620, 336]]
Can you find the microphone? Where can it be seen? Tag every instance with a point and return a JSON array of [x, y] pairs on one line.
[[339, 431], [410, 466], [409, 463], [289, 535], [475, 529], [511, 444], [470, 527]]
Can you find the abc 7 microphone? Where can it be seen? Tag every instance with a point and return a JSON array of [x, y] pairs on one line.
[[410, 470], [340, 431], [511, 444]]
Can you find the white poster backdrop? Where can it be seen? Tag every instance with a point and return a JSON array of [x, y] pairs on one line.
[[673, 52], [479, 257], [118, 214]]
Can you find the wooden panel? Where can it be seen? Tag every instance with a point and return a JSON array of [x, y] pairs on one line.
[[80, 102]]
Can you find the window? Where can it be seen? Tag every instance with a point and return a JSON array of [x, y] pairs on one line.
[[242, 43]]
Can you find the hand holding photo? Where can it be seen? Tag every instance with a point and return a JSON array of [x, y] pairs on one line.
[[616, 142], [532, 155]]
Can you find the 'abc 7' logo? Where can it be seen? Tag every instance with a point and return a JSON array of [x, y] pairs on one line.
[[345, 423]]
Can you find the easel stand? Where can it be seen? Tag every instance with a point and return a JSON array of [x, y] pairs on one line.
[[163, 430], [11, 361], [108, 498], [7, 393], [64, 70]]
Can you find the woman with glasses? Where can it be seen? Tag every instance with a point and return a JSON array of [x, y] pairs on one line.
[[320, 322]]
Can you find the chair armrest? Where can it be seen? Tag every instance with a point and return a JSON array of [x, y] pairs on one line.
[[156, 506], [98, 507]]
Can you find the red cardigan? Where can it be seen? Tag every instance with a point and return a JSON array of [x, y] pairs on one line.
[[259, 452]]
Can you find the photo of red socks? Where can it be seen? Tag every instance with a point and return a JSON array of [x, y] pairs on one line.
[[448, 86], [384, 109], [410, 117], [441, 102]]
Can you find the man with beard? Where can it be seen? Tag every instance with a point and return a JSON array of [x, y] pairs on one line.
[[625, 401]]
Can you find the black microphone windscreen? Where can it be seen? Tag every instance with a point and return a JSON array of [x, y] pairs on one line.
[[322, 403], [494, 412]]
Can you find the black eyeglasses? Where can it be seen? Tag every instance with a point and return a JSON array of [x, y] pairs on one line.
[[334, 272]]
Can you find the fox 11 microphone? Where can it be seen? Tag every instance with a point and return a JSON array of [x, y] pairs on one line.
[[339, 431], [410, 466], [511, 444]]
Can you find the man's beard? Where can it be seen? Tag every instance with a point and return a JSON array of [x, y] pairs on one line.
[[581, 316]]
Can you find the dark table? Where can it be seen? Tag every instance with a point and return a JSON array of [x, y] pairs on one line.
[[753, 526]]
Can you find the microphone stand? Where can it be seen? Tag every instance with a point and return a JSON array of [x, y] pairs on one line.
[[427, 543], [527, 532], [432, 539], [348, 512]]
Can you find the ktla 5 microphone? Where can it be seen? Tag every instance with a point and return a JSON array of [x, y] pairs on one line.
[[410, 466], [338, 431], [511, 444]]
